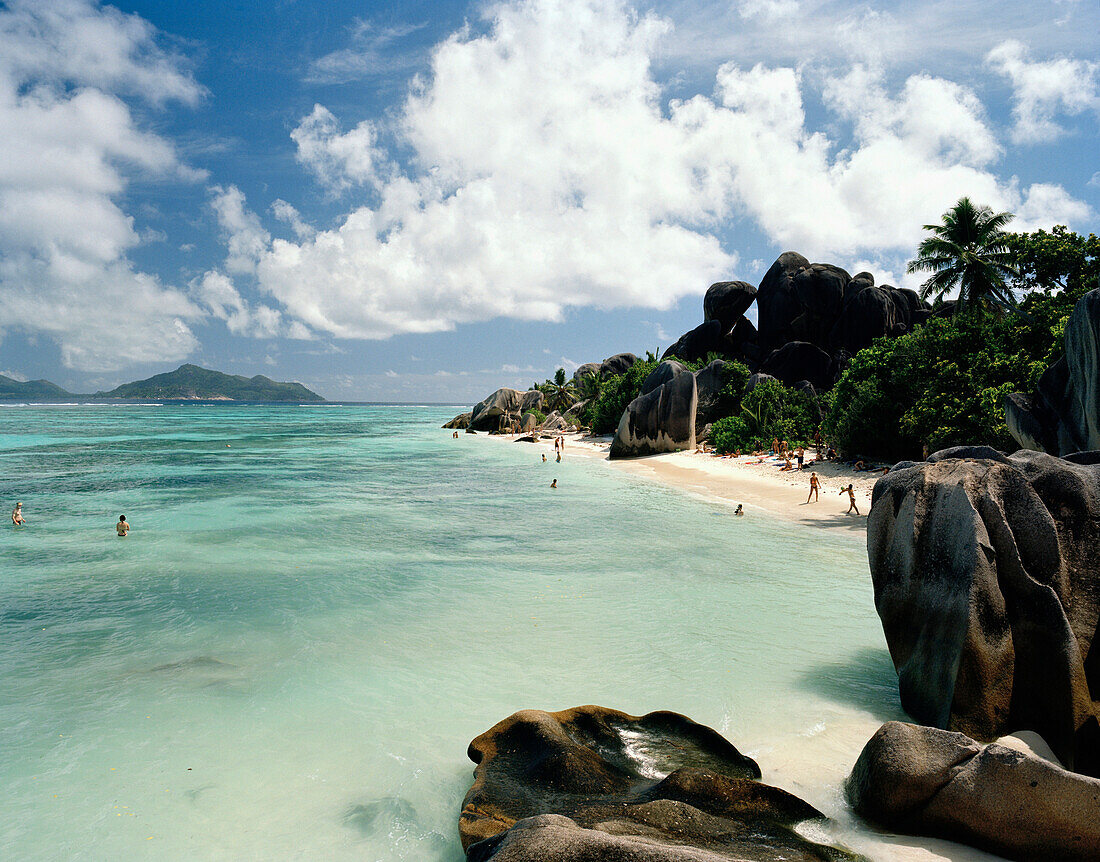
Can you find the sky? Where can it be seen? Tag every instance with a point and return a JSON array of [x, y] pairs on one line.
[[423, 201]]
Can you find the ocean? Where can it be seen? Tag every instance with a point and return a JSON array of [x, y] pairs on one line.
[[318, 607]]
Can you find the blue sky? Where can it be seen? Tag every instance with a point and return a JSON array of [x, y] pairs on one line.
[[424, 201]]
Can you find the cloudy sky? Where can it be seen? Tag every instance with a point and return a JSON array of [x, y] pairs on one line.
[[426, 200]]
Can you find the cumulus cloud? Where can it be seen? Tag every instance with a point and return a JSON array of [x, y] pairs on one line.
[[1044, 89], [338, 160], [600, 193], [69, 146], [287, 213]]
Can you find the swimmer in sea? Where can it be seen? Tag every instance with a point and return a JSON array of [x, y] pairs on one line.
[[740, 510], [17, 515], [123, 526], [554, 484], [543, 457]]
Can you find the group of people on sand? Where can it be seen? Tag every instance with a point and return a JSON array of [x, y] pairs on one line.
[[122, 526]]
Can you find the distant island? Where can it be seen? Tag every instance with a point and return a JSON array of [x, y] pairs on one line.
[[186, 383]]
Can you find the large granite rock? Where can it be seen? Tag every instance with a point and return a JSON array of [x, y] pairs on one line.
[[709, 383], [777, 303], [532, 399], [726, 301], [487, 415], [870, 313], [800, 360], [659, 421], [1064, 415], [613, 366], [933, 782], [592, 784], [665, 371], [986, 574], [462, 420], [694, 346]]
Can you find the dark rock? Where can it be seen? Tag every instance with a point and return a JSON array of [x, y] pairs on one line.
[[933, 782], [528, 422], [470, 431], [662, 374], [944, 309], [870, 313], [696, 345], [659, 421], [754, 380], [776, 302], [462, 420], [741, 336], [618, 364], [585, 370], [596, 785], [709, 382], [488, 415], [1064, 415], [800, 360], [727, 301], [986, 581]]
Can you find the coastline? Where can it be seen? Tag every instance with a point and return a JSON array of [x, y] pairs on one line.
[[761, 487]]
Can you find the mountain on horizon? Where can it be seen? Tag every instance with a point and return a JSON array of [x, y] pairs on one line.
[[186, 383], [192, 383]]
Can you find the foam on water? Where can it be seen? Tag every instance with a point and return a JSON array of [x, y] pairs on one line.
[[289, 654]]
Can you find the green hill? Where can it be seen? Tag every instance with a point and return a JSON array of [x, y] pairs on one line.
[[191, 383], [31, 390]]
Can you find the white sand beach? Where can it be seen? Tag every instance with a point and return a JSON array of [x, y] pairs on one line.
[[757, 483]]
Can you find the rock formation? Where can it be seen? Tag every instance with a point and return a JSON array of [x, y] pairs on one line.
[[925, 781], [662, 420], [462, 420], [592, 784], [620, 363], [1063, 416], [986, 574]]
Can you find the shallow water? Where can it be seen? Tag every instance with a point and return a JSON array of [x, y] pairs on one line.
[[316, 610]]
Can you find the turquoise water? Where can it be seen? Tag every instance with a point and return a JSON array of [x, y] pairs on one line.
[[318, 608]]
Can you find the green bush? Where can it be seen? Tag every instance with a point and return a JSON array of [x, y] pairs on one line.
[[770, 411], [604, 413]]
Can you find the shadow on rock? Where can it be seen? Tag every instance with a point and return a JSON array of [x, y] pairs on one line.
[[866, 680]]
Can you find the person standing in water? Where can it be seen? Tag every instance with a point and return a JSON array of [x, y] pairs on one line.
[[852, 499], [554, 484], [123, 526], [17, 515]]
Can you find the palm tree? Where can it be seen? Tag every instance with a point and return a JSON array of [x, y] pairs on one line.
[[560, 392], [970, 252]]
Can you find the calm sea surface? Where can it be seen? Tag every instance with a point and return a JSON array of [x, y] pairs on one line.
[[318, 608]]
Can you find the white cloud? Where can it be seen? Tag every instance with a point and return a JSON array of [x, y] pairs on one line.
[[15, 375], [285, 212], [768, 10], [216, 292], [371, 53], [244, 234], [338, 160], [68, 147], [1044, 89], [1095, 180]]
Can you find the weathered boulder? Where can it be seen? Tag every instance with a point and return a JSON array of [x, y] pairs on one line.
[[726, 301], [776, 302], [693, 346], [934, 782], [593, 784], [586, 370], [618, 364], [662, 374], [1064, 415], [710, 380], [555, 422], [532, 399], [488, 414], [756, 379], [870, 313], [800, 360], [659, 421], [462, 420], [986, 574], [528, 422]]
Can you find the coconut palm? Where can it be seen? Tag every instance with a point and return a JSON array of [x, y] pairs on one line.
[[968, 252], [560, 392]]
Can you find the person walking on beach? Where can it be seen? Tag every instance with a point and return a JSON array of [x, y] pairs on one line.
[[815, 484], [852, 499], [17, 515], [123, 527]]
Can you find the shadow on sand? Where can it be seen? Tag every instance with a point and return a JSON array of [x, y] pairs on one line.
[[865, 680], [853, 523]]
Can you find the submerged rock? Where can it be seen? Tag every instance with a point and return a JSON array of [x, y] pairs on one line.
[[593, 784], [986, 572], [933, 782]]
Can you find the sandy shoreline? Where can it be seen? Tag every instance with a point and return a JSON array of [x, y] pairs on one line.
[[762, 488]]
